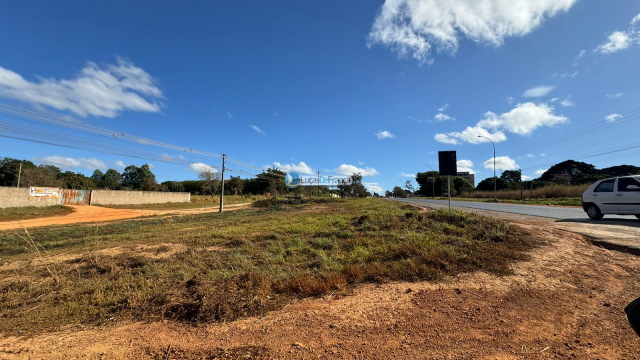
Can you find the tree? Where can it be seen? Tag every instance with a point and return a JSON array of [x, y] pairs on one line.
[[429, 182], [97, 176], [9, 169], [210, 178], [38, 177], [621, 170], [511, 177], [562, 179], [174, 186], [388, 193], [460, 185], [569, 167], [236, 185], [111, 180], [77, 181], [487, 184], [408, 186], [139, 178], [399, 192], [272, 180]]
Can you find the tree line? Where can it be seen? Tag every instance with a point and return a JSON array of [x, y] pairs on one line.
[[142, 178], [566, 173]]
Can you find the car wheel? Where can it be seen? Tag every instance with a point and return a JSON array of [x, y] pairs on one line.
[[594, 213]]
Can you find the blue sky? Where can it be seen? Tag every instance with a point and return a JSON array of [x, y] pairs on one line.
[[325, 85]]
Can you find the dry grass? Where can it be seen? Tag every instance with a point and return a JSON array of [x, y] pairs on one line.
[[238, 264], [32, 212], [197, 201], [547, 192]]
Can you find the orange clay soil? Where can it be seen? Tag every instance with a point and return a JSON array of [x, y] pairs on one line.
[[87, 214]]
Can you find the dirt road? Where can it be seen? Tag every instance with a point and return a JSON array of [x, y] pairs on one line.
[[566, 302], [88, 214]]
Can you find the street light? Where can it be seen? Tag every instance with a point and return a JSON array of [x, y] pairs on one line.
[[433, 184], [495, 191]]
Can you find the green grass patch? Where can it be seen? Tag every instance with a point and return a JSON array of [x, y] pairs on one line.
[[241, 263], [32, 212]]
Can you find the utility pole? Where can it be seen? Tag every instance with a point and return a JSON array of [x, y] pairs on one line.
[[495, 179], [433, 184], [222, 187], [19, 174], [521, 185], [449, 191]]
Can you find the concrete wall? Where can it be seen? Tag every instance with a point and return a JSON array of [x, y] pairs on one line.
[[111, 197], [19, 197]]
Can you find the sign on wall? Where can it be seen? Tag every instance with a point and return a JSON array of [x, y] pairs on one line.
[[44, 193]]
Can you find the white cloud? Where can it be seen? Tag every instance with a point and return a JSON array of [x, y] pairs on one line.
[[120, 164], [613, 117], [347, 170], [169, 157], [543, 154], [407, 175], [465, 166], [67, 163], [201, 167], [257, 129], [443, 117], [414, 119], [525, 177], [510, 100], [301, 168], [554, 100], [373, 187], [361, 163], [416, 27], [564, 75], [470, 135], [567, 102], [96, 91], [541, 171], [384, 135], [229, 115], [580, 55], [613, 96], [635, 19], [539, 91], [530, 156], [444, 107], [523, 119], [617, 41], [502, 163]]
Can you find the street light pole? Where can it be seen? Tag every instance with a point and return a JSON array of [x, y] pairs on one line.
[[433, 184], [495, 180]]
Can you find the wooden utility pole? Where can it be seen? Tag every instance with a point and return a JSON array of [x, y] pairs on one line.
[[19, 174], [222, 187]]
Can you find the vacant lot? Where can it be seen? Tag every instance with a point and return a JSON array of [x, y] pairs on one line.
[[24, 213], [197, 201], [279, 281]]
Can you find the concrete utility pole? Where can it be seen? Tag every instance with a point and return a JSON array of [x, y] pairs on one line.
[[222, 187], [495, 180], [433, 184], [521, 185], [19, 174]]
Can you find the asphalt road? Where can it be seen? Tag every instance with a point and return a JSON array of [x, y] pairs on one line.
[[554, 212]]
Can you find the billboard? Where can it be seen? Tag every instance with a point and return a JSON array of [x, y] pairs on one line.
[[44, 193], [447, 163]]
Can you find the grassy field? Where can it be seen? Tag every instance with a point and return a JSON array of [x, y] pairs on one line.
[[571, 201], [219, 267], [32, 212], [545, 194], [197, 201]]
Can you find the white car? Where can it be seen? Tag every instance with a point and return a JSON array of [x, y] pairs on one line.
[[617, 196]]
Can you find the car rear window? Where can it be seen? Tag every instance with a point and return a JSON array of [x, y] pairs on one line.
[[624, 182], [605, 186]]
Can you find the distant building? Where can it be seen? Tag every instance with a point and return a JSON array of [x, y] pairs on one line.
[[469, 177]]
